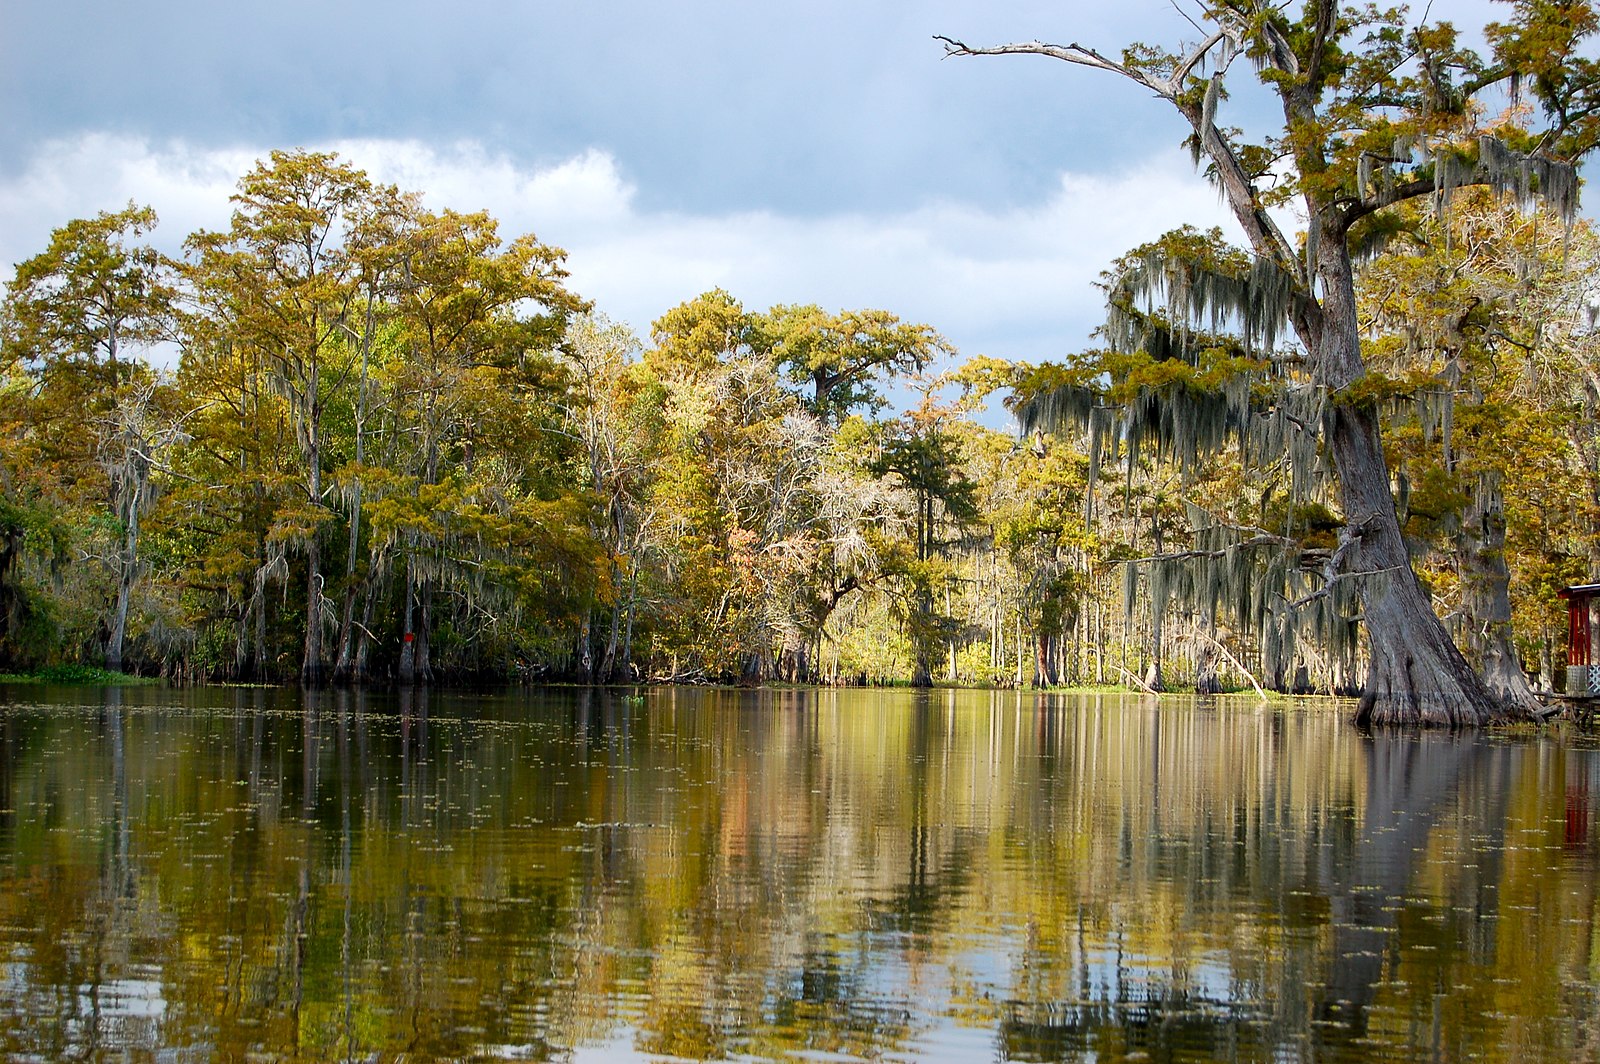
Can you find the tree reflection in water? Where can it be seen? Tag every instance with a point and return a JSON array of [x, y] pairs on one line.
[[709, 874]]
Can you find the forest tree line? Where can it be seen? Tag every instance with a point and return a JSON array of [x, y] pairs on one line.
[[352, 439]]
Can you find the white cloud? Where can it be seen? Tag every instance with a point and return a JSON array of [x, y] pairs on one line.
[[1011, 281]]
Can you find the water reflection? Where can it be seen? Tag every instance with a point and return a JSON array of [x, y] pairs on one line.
[[592, 874]]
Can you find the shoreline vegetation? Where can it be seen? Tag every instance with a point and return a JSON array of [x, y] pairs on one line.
[[90, 676], [79, 676], [556, 501], [396, 447]]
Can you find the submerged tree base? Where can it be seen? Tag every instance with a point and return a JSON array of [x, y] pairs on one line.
[[1408, 694], [1417, 677]]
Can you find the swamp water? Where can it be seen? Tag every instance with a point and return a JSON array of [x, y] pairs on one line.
[[582, 875]]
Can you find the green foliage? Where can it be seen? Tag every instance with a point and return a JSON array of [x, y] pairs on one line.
[[1379, 117], [1482, 334], [390, 420], [842, 357], [74, 675]]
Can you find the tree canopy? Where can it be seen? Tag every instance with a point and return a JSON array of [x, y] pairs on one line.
[[1376, 113]]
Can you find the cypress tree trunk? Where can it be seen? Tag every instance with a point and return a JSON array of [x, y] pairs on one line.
[[1487, 589], [1277, 671], [344, 656], [312, 670], [585, 650], [252, 612], [128, 572], [922, 668], [361, 670], [259, 616], [424, 628], [13, 604], [794, 658], [627, 635], [241, 642], [756, 669], [1206, 680], [995, 657], [950, 645], [406, 672], [1415, 674], [344, 660], [1099, 642], [1017, 642], [1080, 640], [1152, 676], [608, 661], [1044, 669]]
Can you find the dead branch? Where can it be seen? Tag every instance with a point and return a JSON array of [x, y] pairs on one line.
[[1146, 688], [1227, 656]]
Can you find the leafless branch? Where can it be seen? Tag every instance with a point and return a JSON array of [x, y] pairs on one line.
[[1231, 660], [1260, 540], [1146, 688], [1182, 71], [1327, 588], [1186, 17], [1265, 236], [1068, 53]]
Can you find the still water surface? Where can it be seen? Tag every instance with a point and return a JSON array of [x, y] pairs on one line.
[[580, 875]]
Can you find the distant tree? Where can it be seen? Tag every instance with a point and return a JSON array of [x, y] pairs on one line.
[[136, 438], [93, 300], [845, 358], [925, 457], [479, 319], [285, 279], [619, 428], [78, 319]]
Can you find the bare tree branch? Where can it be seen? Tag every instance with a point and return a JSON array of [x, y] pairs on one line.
[[1265, 237], [1146, 688], [1319, 41], [1069, 53], [1231, 660], [1197, 55]]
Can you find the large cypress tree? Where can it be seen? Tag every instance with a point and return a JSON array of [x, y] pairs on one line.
[[1375, 112]]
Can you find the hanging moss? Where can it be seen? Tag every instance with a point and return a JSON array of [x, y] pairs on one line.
[[1208, 105], [1063, 407], [1130, 593], [1254, 301], [1530, 178], [1266, 585], [1177, 385]]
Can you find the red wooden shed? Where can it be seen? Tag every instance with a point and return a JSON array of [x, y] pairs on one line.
[[1583, 646]]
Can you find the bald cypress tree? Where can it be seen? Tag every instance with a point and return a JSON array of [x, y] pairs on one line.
[[1375, 112]]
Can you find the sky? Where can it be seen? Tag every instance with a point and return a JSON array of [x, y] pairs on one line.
[[820, 152]]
